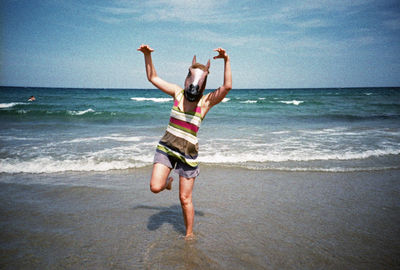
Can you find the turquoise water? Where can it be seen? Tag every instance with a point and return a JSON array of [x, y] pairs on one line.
[[352, 129]]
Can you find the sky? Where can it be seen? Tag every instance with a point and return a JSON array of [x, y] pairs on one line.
[[271, 44]]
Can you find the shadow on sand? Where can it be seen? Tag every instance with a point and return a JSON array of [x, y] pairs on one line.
[[171, 215]]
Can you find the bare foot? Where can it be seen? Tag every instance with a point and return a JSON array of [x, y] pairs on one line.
[[169, 183], [190, 237]]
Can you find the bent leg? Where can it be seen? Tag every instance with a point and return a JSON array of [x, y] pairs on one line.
[[159, 178], [185, 195]]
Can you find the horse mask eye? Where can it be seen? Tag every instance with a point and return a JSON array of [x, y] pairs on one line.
[[196, 80]]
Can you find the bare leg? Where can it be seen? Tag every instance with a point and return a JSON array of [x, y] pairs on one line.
[[159, 178], [185, 196]]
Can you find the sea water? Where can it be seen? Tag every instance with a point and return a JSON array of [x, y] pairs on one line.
[[290, 179], [333, 130]]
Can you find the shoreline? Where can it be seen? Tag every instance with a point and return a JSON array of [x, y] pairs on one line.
[[244, 219], [203, 165]]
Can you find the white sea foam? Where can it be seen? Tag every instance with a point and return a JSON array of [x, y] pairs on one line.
[[281, 132], [9, 105], [325, 131], [136, 156], [318, 169], [324, 150], [159, 100], [249, 101], [292, 153], [293, 102], [119, 138], [15, 138], [86, 164], [123, 152], [80, 112]]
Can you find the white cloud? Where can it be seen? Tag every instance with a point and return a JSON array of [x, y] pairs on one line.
[[108, 19], [287, 44], [252, 41], [325, 5], [313, 23], [314, 13], [119, 10], [197, 11]]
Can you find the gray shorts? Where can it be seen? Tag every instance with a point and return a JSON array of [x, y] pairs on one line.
[[181, 168]]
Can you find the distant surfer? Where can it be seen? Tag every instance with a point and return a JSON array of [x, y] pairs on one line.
[[178, 148], [32, 98]]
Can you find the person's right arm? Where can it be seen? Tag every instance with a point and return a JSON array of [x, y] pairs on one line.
[[151, 73]]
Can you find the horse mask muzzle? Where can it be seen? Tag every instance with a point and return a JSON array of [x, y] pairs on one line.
[[196, 80]]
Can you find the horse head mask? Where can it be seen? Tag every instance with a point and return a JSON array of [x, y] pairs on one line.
[[196, 80]]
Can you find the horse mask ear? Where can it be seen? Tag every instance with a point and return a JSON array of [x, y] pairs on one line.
[[208, 64], [194, 60]]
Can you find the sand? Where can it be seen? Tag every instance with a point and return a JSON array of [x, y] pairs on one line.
[[244, 220]]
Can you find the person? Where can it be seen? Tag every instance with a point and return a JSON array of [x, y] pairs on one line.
[[32, 98], [178, 148]]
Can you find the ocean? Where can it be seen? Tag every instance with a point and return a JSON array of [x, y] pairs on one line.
[[289, 179], [335, 130]]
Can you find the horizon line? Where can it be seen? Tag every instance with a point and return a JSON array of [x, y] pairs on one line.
[[255, 88]]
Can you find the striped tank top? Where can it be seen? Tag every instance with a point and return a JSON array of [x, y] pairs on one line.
[[180, 138]]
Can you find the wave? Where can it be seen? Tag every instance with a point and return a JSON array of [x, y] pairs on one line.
[[293, 156], [80, 112], [263, 100], [10, 105], [140, 155], [158, 100], [89, 164], [280, 132], [15, 138], [324, 170], [249, 101], [293, 102], [112, 137], [50, 165], [88, 114]]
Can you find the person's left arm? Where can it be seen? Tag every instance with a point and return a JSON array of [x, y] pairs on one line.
[[218, 95]]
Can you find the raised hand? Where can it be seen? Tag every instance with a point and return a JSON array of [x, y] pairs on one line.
[[221, 53], [145, 49]]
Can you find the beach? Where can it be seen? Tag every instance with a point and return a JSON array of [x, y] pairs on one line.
[[244, 219], [294, 121]]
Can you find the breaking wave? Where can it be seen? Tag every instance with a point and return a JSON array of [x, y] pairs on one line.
[[158, 100]]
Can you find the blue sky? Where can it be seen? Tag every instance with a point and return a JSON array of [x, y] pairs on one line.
[[272, 44]]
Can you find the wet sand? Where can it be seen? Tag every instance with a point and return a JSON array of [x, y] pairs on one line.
[[244, 220]]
